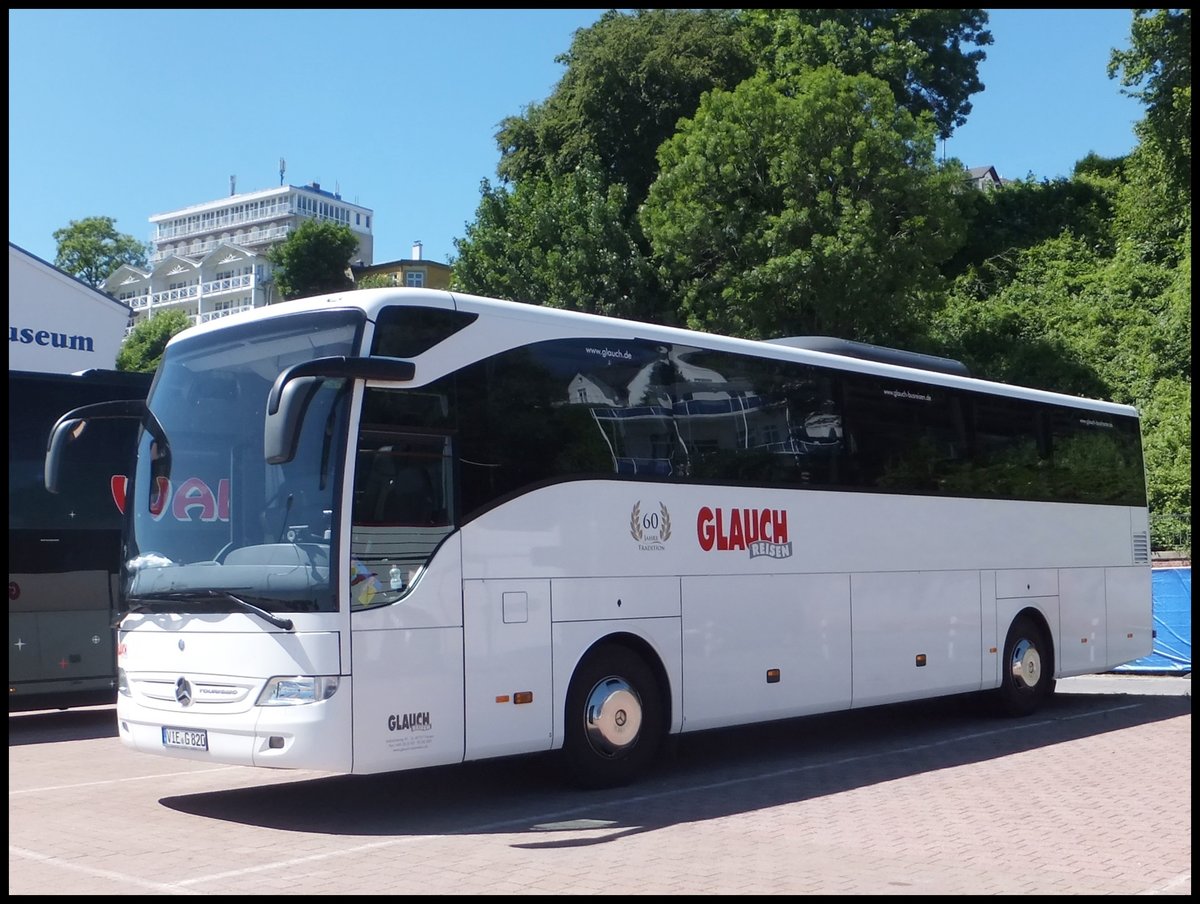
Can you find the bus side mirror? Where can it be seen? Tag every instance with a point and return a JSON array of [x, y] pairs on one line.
[[281, 431], [63, 432], [71, 426], [294, 389]]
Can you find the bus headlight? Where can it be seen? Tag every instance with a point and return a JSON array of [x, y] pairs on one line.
[[289, 691]]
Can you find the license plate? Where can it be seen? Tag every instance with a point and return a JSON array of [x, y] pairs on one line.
[[187, 738]]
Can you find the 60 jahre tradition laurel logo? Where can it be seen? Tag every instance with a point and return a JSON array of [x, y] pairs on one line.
[[652, 529]]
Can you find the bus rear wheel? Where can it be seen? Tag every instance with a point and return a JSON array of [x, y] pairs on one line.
[[1027, 671], [614, 719]]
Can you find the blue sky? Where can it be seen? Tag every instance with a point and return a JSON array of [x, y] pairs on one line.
[[128, 114]]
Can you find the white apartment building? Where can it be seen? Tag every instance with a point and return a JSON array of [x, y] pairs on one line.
[[210, 259]]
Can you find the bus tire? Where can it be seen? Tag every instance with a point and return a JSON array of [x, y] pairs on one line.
[[614, 719], [1027, 670]]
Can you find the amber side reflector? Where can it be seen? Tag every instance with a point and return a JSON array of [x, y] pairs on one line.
[[920, 660], [503, 698], [1083, 640], [992, 650], [772, 676], [523, 697]]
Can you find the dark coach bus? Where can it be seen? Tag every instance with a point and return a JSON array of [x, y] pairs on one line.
[[64, 549]]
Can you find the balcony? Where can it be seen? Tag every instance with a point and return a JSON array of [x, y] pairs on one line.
[[229, 284], [206, 316], [217, 315], [171, 296], [199, 249], [228, 220], [206, 294]]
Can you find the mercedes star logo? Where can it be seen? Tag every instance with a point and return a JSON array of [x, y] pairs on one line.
[[183, 691]]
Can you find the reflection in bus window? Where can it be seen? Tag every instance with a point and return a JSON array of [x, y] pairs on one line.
[[403, 496]]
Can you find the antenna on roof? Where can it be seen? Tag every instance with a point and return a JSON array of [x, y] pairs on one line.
[[282, 169], [232, 186]]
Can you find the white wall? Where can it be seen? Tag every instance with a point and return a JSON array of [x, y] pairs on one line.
[[56, 323]]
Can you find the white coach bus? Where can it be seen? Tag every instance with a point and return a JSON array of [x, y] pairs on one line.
[[400, 528]]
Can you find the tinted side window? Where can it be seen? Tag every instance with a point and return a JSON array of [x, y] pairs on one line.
[[757, 420], [615, 413], [1096, 458], [571, 409], [903, 437], [506, 434], [1010, 450], [601, 407], [405, 332]]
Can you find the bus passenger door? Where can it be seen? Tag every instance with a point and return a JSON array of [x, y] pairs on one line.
[[509, 699], [405, 598]]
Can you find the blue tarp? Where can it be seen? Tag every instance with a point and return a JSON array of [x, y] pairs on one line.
[[1171, 589]]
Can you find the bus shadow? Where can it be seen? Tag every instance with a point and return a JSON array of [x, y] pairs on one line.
[[704, 775], [53, 725]]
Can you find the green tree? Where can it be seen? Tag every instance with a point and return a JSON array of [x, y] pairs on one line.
[[314, 259], [562, 228], [1154, 209], [143, 348], [1153, 213], [1022, 214], [1062, 316], [818, 209], [629, 79], [1167, 428], [1158, 64], [91, 249], [922, 54], [559, 241], [375, 281]]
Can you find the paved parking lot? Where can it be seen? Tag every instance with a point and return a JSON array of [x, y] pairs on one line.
[[1090, 796]]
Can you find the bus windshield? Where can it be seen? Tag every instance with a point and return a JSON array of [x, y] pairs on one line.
[[208, 513]]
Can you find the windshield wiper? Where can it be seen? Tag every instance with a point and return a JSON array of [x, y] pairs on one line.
[[146, 603]]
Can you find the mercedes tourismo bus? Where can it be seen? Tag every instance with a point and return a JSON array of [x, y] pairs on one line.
[[64, 550], [399, 528]]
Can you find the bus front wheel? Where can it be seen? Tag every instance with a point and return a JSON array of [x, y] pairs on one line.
[[614, 719], [1027, 671]]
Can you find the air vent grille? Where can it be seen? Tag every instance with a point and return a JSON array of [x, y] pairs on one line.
[[1141, 548]]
